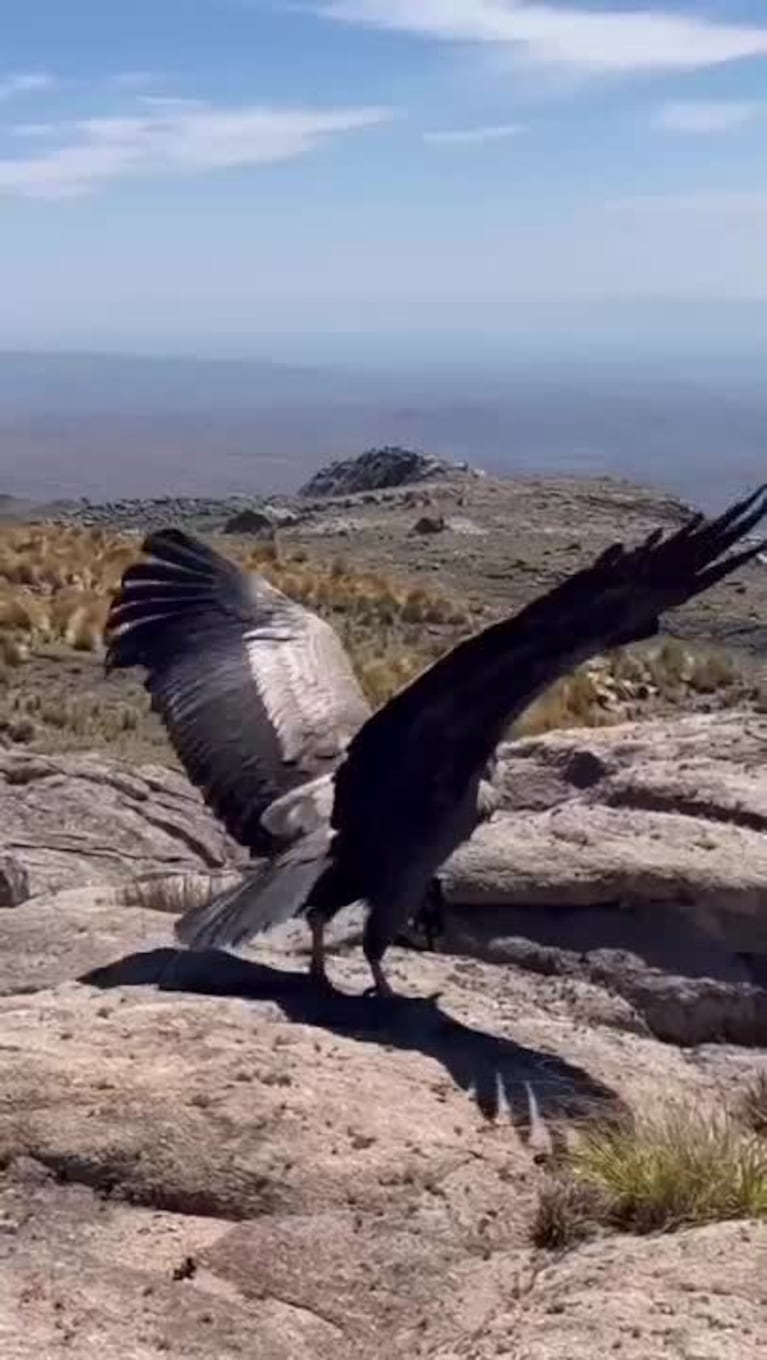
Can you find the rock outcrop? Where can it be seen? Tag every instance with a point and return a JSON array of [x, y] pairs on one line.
[[430, 524], [670, 811], [634, 855], [71, 820], [377, 469], [255, 523], [262, 523]]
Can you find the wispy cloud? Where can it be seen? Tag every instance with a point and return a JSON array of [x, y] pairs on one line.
[[24, 82], [170, 103], [584, 39], [704, 115], [187, 139], [708, 204], [132, 80], [471, 136], [35, 130]]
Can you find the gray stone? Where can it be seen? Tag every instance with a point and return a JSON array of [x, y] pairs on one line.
[[66, 820], [252, 522], [429, 524]]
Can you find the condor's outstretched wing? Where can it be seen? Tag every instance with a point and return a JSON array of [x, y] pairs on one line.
[[409, 766], [256, 692]]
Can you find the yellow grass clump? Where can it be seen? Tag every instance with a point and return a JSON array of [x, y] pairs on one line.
[[176, 894], [681, 1166], [612, 688], [57, 582], [752, 1105]]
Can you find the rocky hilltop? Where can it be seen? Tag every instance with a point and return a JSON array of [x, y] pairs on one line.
[[204, 1158], [378, 469]]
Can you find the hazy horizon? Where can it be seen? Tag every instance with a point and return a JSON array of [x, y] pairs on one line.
[[115, 426], [681, 338]]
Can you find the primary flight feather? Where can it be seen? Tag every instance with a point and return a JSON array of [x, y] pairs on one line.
[[257, 693], [261, 703]]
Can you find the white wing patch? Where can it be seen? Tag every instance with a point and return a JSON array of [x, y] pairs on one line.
[[307, 687], [301, 810]]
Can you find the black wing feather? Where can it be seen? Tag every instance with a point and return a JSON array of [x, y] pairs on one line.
[[208, 635], [421, 749]]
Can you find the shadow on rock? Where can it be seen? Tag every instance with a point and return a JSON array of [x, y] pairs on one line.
[[535, 1086]]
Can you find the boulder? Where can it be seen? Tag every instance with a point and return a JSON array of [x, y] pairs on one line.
[[377, 469], [252, 522], [670, 811], [429, 524], [635, 855], [67, 820]]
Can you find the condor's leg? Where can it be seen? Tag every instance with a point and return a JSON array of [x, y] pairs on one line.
[[317, 920], [375, 941], [430, 916], [330, 895]]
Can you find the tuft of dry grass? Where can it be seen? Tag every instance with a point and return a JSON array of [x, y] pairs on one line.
[[175, 894], [14, 651], [678, 1167], [613, 688], [751, 1107], [57, 582], [577, 700], [26, 715], [567, 1212], [673, 666]]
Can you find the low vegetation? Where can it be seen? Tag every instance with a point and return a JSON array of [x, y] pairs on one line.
[[618, 685], [56, 583], [752, 1106], [675, 1168], [176, 894]]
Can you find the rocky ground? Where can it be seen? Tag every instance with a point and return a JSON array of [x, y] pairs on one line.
[[204, 1158], [201, 1157]]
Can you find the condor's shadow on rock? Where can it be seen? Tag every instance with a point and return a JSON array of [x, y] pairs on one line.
[[532, 1084]]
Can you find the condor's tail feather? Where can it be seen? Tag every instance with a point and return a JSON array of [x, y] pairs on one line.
[[267, 896]]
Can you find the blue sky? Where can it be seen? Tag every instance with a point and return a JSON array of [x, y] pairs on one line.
[[350, 176]]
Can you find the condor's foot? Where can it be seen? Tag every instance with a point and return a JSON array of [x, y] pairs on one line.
[[381, 985]]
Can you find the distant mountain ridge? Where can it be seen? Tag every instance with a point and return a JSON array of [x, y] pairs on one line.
[[109, 426], [104, 382]]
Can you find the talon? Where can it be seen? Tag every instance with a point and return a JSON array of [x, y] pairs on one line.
[[380, 988]]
